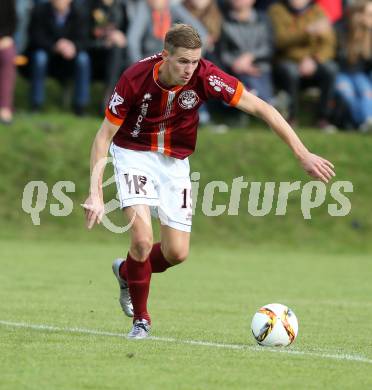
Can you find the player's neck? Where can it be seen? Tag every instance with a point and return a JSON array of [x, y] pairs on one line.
[[165, 77]]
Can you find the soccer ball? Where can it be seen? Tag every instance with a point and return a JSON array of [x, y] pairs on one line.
[[274, 325]]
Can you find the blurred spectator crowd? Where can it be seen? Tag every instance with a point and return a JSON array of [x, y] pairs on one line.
[[277, 48]]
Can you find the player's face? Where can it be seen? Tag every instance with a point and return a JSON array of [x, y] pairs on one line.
[[181, 64]]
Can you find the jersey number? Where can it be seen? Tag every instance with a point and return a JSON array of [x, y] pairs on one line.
[[187, 198]]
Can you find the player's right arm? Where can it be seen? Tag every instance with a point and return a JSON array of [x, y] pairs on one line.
[[94, 205]]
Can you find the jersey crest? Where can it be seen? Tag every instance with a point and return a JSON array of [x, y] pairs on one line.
[[188, 99]]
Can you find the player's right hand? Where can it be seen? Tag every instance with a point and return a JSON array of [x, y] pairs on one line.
[[94, 210]]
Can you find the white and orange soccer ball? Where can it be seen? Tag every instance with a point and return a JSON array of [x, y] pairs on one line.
[[274, 325]]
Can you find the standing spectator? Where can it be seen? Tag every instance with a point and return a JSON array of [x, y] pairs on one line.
[[7, 55], [58, 35], [108, 27], [353, 83], [306, 43], [246, 47]]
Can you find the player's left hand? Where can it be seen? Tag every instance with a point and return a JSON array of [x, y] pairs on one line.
[[317, 167]]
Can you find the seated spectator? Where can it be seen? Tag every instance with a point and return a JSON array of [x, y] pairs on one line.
[[206, 17], [246, 47], [146, 33], [209, 15], [332, 8], [263, 5], [23, 11], [108, 26], [354, 83], [153, 18], [58, 37], [7, 55], [305, 43]]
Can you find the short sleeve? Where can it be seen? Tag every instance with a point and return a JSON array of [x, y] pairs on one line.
[[120, 102], [220, 85]]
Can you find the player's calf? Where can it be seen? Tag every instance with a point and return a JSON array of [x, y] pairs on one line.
[[176, 255]]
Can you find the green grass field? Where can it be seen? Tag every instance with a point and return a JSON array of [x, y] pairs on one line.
[[209, 299], [61, 326]]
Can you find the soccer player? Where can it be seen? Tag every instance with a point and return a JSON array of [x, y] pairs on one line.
[[150, 128]]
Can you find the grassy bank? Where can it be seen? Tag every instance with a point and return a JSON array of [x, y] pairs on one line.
[[55, 147]]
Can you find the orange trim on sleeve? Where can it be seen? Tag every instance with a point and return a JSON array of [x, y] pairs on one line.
[[113, 119], [238, 93]]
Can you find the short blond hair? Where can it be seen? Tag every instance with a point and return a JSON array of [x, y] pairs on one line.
[[182, 35]]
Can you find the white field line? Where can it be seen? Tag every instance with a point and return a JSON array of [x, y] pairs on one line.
[[323, 355]]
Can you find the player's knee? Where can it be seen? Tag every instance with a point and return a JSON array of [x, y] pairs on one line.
[[141, 248], [176, 256]]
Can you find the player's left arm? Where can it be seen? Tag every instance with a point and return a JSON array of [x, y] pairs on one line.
[[314, 165]]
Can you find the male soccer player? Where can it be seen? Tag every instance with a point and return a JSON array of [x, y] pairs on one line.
[[151, 123]]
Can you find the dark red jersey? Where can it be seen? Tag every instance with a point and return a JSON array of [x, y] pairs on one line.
[[153, 118]]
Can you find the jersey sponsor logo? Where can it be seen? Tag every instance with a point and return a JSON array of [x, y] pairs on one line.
[[143, 112], [115, 101], [218, 84], [188, 99]]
